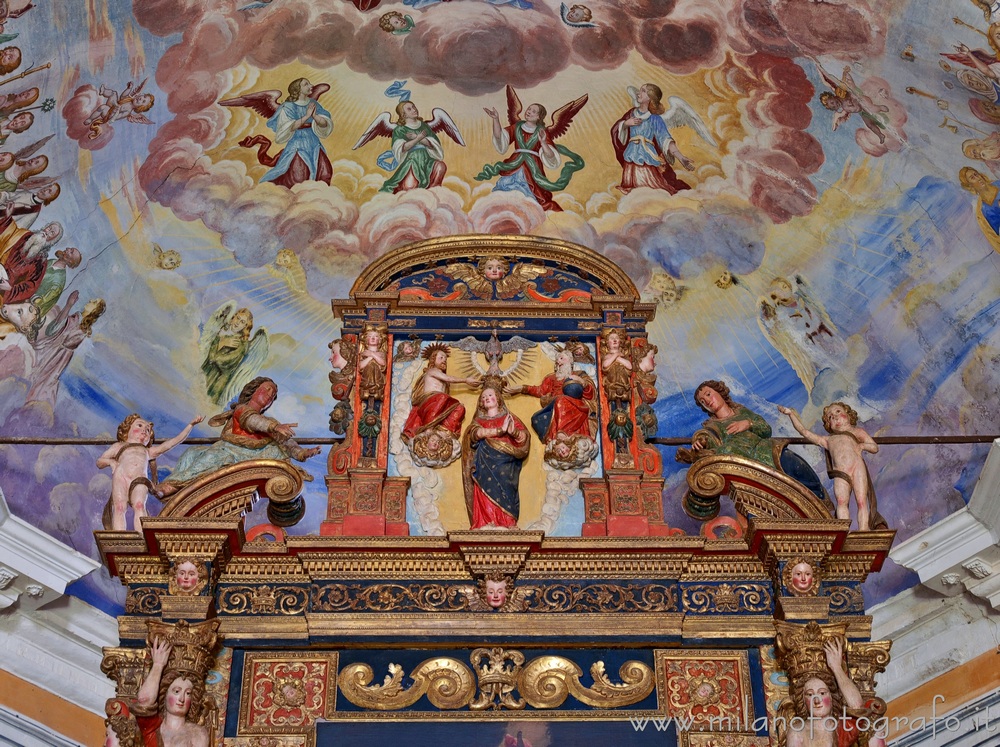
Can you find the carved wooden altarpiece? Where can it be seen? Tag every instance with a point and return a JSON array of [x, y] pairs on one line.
[[591, 619]]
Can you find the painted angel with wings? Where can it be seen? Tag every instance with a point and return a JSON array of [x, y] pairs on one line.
[[112, 106], [230, 356], [796, 323], [534, 150], [643, 144], [299, 122], [492, 278], [417, 155]]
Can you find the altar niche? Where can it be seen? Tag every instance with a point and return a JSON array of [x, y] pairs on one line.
[[494, 383]]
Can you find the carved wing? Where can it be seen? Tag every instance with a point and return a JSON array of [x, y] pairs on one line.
[[470, 345], [470, 277], [785, 342], [30, 150], [211, 329], [513, 106], [265, 103], [518, 276], [257, 352], [680, 114], [803, 291], [381, 126], [517, 343], [441, 121], [472, 598], [562, 118]]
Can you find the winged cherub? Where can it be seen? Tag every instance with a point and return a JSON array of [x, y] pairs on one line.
[[416, 147], [299, 122], [492, 278], [130, 105], [643, 144], [230, 356], [534, 150]]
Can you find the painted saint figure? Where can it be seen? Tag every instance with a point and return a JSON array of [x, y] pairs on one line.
[[643, 145], [534, 150], [494, 448], [416, 148], [230, 355], [988, 209], [299, 123]]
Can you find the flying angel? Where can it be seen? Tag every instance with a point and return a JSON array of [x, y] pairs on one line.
[[299, 122], [534, 150], [230, 356], [643, 144], [416, 155], [113, 107], [797, 324]]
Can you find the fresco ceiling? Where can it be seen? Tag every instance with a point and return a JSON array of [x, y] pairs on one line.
[[842, 157]]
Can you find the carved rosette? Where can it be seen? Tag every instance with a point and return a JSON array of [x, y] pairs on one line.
[[710, 690], [726, 598], [284, 693]]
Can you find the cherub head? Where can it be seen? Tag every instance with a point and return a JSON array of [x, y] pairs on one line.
[[143, 102], [135, 430], [188, 577], [10, 60], [166, 260], [838, 417], [374, 338], [800, 578], [644, 354], [830, 101], [494, 268], [434, 447], [92, 311], [286, 258], [395, 23], [495, 589], [337, 359], [579, 14], [181, 695]]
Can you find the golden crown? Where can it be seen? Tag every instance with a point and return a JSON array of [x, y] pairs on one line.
[[192, 646]]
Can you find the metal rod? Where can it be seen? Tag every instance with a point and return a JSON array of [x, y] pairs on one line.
[[666, 441]]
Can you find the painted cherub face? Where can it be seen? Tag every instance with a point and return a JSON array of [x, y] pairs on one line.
[[397, 21], [6, 161], [169, 260], [578, 14], [140, 432], [496, 593], [144, 101], [187, 576], [802, 577], [10, 56], [285, 258], [493, 268], [819, 701], [179, 697]]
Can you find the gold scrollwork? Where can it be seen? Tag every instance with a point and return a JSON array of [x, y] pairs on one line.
[[388, 597], [845, 600], [263, 600], [702, 598], [498, 672], [606, 598], [547, 681], [448, 684], [143, 600]]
